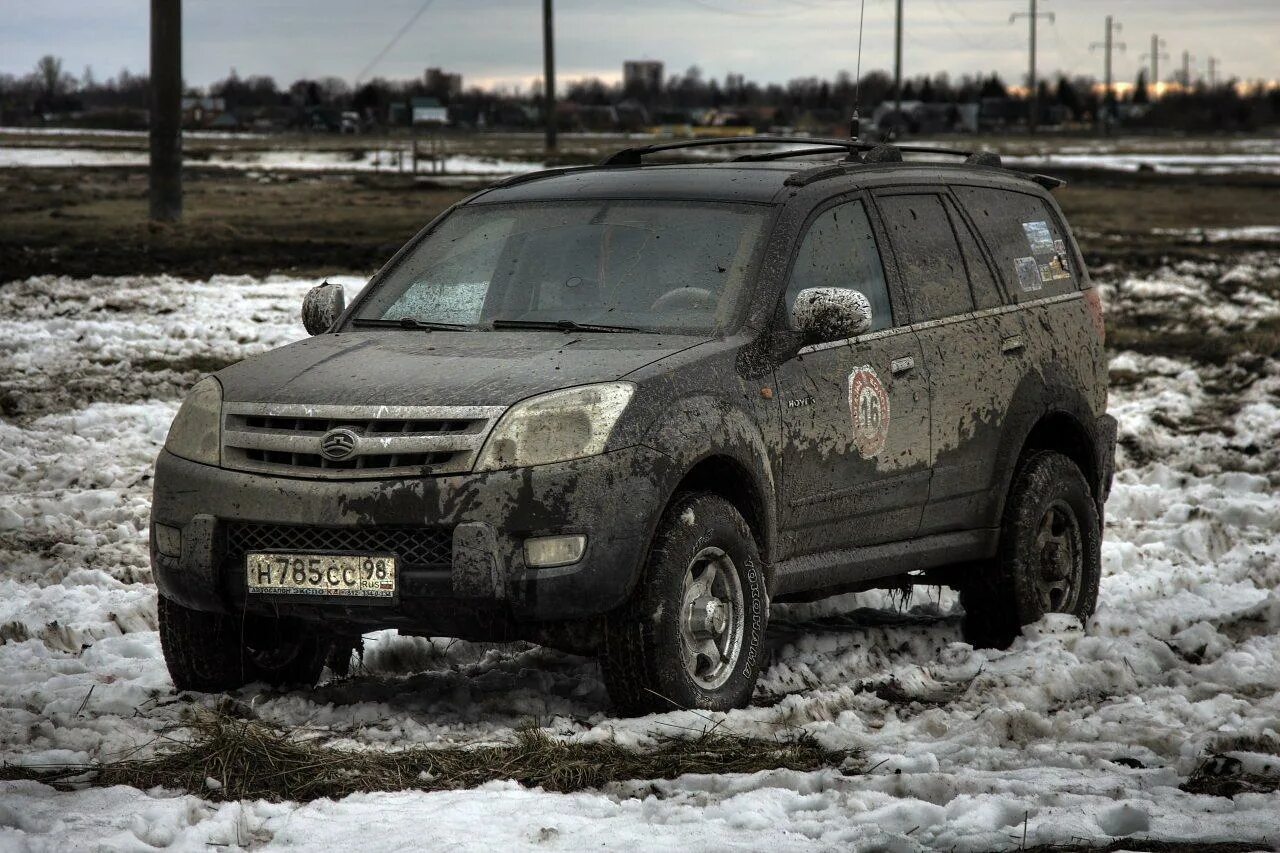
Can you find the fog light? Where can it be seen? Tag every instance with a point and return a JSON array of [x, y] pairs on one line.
[[544, 552], [168, 540]]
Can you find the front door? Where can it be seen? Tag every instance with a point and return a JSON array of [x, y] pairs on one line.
[[855, 413]]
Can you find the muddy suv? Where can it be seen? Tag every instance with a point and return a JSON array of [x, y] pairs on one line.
[[619, 410]]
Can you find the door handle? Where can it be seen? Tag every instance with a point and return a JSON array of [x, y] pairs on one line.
[[1012, 343], [901, 365]]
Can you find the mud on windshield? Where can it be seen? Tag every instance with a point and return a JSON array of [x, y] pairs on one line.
[[660, 266]]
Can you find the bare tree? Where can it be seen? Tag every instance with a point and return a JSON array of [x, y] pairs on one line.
[[49, 70]]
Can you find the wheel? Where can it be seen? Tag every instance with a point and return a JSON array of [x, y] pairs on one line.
[[214, 652], [1049, 560], [692, 634]]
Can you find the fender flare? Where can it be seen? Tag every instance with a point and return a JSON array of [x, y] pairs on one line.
[[692, 430]]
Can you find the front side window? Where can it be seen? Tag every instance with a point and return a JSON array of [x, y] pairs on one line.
[[663, 266], [839, 250]]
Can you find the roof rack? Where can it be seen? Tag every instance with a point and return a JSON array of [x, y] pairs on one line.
[[883, 152]]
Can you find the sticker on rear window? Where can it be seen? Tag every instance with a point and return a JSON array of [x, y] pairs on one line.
[[1029, 275], [869, 411], [1039, 237]]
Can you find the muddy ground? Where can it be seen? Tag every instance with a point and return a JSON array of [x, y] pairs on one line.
[[84, 222], [94, 221]]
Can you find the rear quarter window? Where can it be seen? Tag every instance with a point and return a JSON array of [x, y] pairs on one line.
[[1026, 239]]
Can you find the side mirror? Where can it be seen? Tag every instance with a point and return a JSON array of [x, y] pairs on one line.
[[322, 306], [831, 314]]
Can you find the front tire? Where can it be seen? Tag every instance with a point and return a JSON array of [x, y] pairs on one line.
[[692, 634], [216, 652], [1050, 557]]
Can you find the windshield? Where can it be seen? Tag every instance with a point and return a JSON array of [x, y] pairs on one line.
[[677, 266]]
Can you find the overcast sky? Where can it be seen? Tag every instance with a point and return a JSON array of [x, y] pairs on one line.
[[499, 41]]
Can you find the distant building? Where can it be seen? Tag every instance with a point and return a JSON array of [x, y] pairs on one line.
[[202, 112], [428, 111], [443, 84], [642, 75]]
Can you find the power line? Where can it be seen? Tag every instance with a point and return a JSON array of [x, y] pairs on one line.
[[985, 44], [1108, 44], [1033, 18], [741, 13], [394, 39]]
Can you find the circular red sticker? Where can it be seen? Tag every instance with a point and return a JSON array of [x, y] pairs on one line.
[[869, 411]]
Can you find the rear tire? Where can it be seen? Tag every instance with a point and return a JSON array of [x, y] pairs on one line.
[[692, 634], [215, 652], [1050, 556]]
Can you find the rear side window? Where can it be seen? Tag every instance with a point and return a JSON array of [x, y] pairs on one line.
[[986, 293], [1028, 244], [839, 250], [928, 255]]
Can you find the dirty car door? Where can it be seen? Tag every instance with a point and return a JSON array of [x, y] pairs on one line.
[[855, 428]]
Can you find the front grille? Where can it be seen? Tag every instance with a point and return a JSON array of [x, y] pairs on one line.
[[416, 546], [383, 440]]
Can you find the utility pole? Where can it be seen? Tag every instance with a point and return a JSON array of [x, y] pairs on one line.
[[1107, 45], [1033, 16], [1186, 69], [1213, 72], [1155, 56], [549, 72], [165, 182], [897, 64]]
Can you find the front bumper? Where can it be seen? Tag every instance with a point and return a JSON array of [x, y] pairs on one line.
[[614, 498]]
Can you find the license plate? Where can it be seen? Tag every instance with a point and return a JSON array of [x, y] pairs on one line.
[[370, 576]]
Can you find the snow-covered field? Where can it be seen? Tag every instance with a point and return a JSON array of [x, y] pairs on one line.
[[285, 160], [1076, 734], [1173, 155]]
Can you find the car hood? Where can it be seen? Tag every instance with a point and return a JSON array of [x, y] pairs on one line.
[[395, 367]]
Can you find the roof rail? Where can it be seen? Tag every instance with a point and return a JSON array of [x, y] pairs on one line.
[[632, 156], [538, 174], [883, 152]]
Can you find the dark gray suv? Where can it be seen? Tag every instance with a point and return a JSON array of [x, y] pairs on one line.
[[619, 410]]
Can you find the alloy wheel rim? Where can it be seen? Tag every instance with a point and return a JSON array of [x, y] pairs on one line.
[[711, 618], [1058, 554]]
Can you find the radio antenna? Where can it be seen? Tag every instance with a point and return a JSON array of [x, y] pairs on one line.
[[855, 123]]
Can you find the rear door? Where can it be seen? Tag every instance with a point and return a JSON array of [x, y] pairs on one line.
[[956, 311], [1043, 275], [855, 417]]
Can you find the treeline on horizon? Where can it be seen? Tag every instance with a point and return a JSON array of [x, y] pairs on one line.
[[50, 92]]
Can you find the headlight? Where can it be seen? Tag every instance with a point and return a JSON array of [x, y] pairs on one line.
[[556, 427], [195, 433]]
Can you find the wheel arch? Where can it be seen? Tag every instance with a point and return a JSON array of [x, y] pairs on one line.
[[724, 475], [1063, 432]]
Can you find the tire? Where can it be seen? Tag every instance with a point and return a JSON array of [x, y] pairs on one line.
[[1049, 559], [215, 652], [661, 652]]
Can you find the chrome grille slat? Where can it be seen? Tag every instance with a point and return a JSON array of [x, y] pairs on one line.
[[392, 441]]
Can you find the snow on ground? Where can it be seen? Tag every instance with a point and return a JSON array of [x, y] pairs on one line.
[[1259, 233], [1075, 733], [1173, 155], [380, 158], [1173, 164]]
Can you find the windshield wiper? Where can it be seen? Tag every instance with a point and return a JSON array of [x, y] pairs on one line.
[[562, 326], [406, 323]]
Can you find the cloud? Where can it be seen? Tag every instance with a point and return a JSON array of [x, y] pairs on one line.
[[500, 40]]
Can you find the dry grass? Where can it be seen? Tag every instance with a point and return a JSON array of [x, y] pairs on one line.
[[1147, 846], [230, 758], [1222, 775]]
